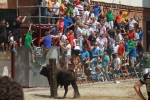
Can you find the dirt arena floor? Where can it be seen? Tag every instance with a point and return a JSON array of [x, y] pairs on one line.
[[91, 91]]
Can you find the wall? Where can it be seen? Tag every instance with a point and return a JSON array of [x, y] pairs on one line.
[[5, 64], [137, 3]]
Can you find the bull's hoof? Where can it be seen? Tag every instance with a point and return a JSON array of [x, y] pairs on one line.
[[77, 96]]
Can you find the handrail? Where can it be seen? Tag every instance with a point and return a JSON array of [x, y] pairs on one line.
[[36, 7]]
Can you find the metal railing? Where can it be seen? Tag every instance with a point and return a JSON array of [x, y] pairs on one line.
[[39, 16]]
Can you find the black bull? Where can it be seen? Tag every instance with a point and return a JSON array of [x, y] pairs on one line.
[[64, 78]]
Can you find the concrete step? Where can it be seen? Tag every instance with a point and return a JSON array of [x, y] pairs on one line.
[[5, 55]]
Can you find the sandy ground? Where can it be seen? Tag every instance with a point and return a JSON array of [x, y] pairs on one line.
[[91, 91]]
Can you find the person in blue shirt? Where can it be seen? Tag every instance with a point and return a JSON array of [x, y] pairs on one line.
[[67, 23], [132, 55], [54, 35], [47, 41], [105, 63], [84, 59], [140, 32], [126, 45], [97, 10], [95, 54]]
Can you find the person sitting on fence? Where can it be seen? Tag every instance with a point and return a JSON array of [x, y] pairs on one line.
[[54, 35], [11, 42], [29, 41], [47, 41]]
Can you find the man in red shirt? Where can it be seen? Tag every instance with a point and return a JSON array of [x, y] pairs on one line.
[[118, 20], [70, 37], [121, 50], [132, 34]]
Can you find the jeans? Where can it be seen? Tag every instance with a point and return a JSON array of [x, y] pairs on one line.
[[92, 64], [111, 24], [81, 42]]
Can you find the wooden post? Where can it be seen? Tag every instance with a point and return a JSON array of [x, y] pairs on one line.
[[53, 78]]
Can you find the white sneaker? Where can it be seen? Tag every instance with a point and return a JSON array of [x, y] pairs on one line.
[[44, 65], [117, 82]]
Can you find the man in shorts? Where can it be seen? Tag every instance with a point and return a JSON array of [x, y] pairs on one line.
[[117, 65], [28, 42], [105, 63], [16, 27], [144, 80], [3, 34], [67, 52]]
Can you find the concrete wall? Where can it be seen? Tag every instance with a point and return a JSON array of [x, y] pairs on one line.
[[5, 64], [137, 3], [27, 73]]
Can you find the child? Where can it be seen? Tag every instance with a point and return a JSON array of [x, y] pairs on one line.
[[11, 42]]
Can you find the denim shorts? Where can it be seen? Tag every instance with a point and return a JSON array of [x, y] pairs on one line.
[[133, 59]]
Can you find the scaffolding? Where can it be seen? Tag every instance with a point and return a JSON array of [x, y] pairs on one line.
[[38, 26]]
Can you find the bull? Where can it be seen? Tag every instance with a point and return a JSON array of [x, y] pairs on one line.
[[64, 78]]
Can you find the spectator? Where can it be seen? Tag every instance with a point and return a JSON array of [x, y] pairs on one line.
[[95, 25], [121, 50], [47, 41], [118, 36], [102, 42], [70, 38], [118, 20], [97, 10], [115, 49], [63, 40], [84, 59], [29, 41], [54, 34], [67, 23], [132, 55], [85, 15], [105, 63], [95, 54], [140, 32], [11, 42], [126, 45], [117, 65], [69, 9], [10, 89], [75, 11], [56, 6], [92, 39], [110, 45], [3, 34], [63, 7], [110, 18], [112, 32], [45, 10], [60, 24], [139, 48], [146, 64], [16, 27], [106, 23], [102, 29], [132, 23], [67, 53]]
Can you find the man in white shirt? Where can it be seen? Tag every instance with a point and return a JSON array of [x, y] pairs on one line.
[[102, 42], [132, 23], [75, 10], [117, 65], [85, 15], [95, 25], [79, 35], [118, 36], [56, 6], [63, 40], [44, 10], [67, 54], [115, 49]]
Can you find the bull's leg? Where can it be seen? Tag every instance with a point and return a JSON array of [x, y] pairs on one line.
[[75, 87], [66, 90]]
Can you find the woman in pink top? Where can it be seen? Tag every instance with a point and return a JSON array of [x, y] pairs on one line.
[[60, 24]]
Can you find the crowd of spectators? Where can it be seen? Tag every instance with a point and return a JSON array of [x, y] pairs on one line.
[[87, 31]]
